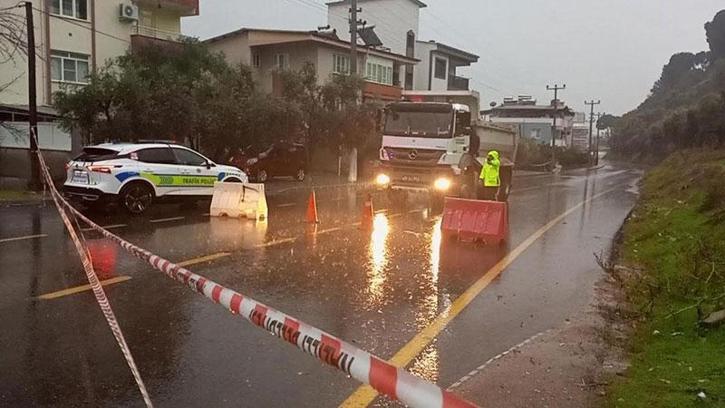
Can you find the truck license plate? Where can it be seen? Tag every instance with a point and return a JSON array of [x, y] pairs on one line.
[[411, 179], [80, 176]]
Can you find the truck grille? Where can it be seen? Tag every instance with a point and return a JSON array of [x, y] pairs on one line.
[[414, 157]]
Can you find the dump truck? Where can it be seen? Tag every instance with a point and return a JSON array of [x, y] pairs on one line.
[[440, 148]]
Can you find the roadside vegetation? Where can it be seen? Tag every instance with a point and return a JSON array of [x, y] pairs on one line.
[[685, 108], [533, 155], [673, 271]]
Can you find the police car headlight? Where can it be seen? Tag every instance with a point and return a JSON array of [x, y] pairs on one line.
[[442, 184], [382, 179]]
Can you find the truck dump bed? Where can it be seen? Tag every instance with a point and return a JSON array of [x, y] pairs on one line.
[[502, 138]]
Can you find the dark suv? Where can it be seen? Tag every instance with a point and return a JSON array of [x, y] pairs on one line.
[[279, 160]]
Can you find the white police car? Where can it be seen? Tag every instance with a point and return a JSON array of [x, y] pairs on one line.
[[137, 174]]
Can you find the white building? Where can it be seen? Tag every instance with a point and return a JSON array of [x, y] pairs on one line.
[[396, 23], [268, 52], [73, 37]]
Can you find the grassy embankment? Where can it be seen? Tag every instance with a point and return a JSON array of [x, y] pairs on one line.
[[675, 244]]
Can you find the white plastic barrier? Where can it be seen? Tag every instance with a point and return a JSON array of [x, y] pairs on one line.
[[238, 200]]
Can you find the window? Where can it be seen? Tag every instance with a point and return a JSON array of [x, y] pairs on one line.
[[381, 74], [189, 158], [256, 60], [281, 61], [158, 155], [440, 68], [68, 67], [70, 8], [341, 64]]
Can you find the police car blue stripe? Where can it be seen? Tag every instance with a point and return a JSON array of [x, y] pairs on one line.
[[221, 176], [126, 175]]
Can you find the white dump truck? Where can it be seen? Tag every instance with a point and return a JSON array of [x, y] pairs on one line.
[[440, 148]]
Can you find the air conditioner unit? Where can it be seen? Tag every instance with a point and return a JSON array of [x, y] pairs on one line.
[[128, 12]]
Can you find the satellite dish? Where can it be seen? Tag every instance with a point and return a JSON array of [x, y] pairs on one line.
[[493, 104]]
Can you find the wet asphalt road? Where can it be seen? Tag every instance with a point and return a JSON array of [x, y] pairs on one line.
[[375, 289]]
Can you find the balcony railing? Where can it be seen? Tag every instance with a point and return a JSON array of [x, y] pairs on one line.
[[157, 34], [456, 83], [185, 7]]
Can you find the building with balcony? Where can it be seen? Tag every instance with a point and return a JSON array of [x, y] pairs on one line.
[[74, 37], [533, 121], [268, 52], [437, 70], [397, 25]]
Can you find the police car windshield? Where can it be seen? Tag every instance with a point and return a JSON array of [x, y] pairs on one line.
[[96, 154], [419, 124]]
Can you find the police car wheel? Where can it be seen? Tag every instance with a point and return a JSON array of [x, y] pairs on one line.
[[136, 198]]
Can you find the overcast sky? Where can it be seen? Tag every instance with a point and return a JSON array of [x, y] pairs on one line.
[[611, 50]]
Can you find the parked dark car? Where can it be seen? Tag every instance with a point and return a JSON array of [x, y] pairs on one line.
[[279, 160]]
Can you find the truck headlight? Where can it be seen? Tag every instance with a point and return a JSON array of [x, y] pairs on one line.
[[382, 179], [442, 184]]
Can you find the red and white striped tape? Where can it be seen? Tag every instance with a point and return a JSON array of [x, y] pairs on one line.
[[387, 379], [93, 280]]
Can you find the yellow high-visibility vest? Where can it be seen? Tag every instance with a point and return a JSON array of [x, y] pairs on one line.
[[490, 173]]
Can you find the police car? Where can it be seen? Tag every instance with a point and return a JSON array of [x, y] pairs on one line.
[[135, 175]]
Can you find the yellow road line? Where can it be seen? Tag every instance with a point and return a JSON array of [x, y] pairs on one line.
[[23, 238], [166, 220], [202, 259], [81, 288], [365, 394]]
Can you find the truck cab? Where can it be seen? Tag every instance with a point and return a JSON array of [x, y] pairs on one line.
[[438, 148]]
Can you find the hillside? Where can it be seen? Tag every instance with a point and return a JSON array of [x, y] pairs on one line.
[[686, 106]]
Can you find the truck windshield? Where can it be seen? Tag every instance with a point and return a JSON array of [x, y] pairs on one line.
[[420, 124]]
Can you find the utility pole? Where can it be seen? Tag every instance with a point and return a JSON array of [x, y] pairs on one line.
[[556, 88], [596, 145], [353, 36], [32, 100], [591, 127]]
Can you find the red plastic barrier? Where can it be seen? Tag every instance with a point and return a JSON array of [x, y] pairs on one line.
[[474, 220]]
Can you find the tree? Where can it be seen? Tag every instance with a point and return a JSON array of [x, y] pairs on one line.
[[332, 113], [607, 121], [184, 94], [678, 68], [715, 32]]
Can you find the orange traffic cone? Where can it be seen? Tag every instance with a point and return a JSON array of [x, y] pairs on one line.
[[312, 209], [366, 220]]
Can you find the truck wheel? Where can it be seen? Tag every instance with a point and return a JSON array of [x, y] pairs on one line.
[[506, 181], [436, 203], [136, 197]]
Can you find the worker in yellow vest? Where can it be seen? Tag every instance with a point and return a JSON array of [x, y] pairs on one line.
[[490, 177]]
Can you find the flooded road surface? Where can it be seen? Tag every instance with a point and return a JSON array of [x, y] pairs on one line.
[[376, 288]]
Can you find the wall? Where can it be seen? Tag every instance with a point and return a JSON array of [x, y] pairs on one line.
[[15, 72], [235, 49], [528, 127], [50, 136], [298, 56], [392, 18], [113, 37], [57, 145], [422, 69]]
